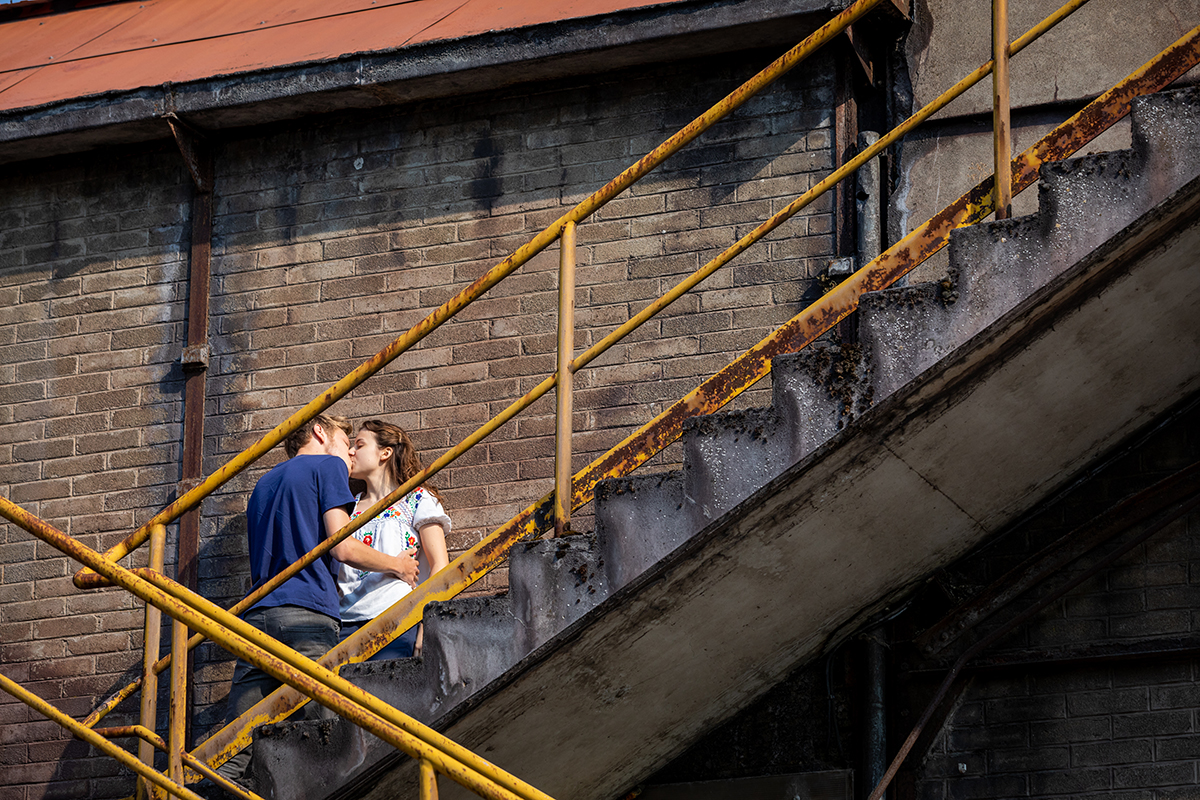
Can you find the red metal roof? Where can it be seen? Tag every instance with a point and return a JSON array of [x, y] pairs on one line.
[[142, 43]]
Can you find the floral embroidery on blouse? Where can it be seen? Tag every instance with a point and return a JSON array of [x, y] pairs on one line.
[[403, 511]]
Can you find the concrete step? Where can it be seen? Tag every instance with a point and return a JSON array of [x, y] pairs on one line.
[[639, 519], [1082, 202], [552, 584], [735, 465]]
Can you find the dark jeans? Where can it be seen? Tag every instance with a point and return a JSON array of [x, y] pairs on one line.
[[308, 632], [400, 647]]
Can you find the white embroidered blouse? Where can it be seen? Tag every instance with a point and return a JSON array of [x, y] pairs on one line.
[[365, 595]]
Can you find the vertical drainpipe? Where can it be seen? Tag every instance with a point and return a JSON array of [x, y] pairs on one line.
[[870, 241], [875, 731], [870, 244], [845, 136], [194, 360]]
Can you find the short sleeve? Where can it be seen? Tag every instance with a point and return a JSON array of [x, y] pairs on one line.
[[430, 511], [333, 485]]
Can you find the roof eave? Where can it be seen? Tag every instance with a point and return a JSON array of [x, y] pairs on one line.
[[445, 68]]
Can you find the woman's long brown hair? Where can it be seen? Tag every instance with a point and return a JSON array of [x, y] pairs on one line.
[[404, 462]]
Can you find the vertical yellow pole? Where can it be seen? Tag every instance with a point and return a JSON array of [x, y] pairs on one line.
[[428, 781], [151, 639], [177, 725], [1002, 130], [566, 354]]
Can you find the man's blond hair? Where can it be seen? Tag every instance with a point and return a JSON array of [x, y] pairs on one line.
[[302, 435]]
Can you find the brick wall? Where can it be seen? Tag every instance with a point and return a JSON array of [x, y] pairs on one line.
[[331, 237], [1062, 726], [92, 254]]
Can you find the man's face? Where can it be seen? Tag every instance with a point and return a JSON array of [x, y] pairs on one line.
[[338, 444]]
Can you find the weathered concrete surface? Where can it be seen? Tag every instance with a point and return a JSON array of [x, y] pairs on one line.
[[929, 473], [1091, 50], [650, 35], [1080, 200], [1082, 57]]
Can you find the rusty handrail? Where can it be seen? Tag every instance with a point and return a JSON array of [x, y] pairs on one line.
[[276, 659], [587, 207], [731, 102], [664, 429], [95, 739]]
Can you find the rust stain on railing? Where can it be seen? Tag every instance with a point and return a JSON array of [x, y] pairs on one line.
[[276, 659]]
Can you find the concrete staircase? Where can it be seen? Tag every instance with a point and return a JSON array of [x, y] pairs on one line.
[[965, 403]]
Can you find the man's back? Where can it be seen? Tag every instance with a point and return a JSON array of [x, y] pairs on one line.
[[284, 521]]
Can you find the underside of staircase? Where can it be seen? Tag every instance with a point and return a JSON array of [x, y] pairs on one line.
[[964, 404]]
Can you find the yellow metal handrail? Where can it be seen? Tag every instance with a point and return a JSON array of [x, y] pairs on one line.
[[87, 579], [276, 659], [734, 100], [900, 259], [304, 678]]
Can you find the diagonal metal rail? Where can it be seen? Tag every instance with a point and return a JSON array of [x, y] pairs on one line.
[[285, 664]]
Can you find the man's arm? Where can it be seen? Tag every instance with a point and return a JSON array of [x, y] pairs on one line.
[[358, 555]]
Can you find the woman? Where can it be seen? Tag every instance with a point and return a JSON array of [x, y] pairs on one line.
[[383, 457]]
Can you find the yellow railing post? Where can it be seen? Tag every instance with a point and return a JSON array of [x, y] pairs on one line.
[[566, 355], [151, 640], [428, 781], [177, 725], [1001, 122]]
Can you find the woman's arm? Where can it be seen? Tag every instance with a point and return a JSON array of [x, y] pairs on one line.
[[433, 544]]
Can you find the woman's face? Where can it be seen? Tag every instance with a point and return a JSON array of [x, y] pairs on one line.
[[366, 456]]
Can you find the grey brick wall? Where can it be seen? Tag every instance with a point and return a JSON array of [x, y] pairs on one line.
[[331, 237], [1121, 728], [92, 258]]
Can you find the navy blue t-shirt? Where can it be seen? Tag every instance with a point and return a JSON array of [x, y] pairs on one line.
[[284, 521]]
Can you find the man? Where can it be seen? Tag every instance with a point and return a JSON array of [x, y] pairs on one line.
[[293, 507]]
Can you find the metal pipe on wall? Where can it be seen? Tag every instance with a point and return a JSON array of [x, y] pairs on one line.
[[867, 202], [875, 730], [197, 155]]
